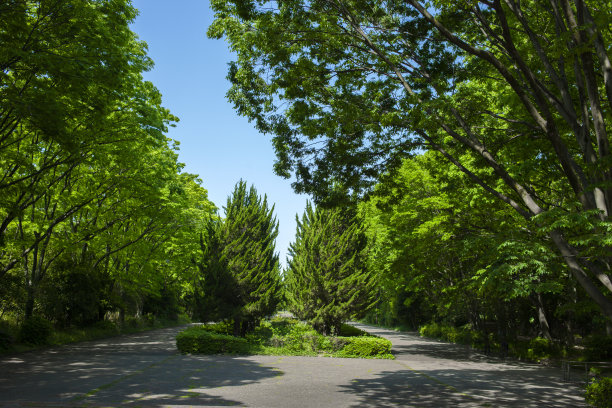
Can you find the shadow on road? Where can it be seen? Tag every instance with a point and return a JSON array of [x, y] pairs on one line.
[[440, 388], [139, 370]]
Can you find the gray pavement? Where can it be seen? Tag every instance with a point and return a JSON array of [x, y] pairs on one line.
[[145, 370]]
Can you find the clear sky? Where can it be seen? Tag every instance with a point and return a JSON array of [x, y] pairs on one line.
[[215, 142]]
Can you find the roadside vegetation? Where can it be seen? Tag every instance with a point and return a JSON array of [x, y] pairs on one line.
[[283, 336]]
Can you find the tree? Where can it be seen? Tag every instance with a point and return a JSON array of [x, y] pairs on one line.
[[447, 251], [521, 91], [240, 267], [90, 187], [327, 281]]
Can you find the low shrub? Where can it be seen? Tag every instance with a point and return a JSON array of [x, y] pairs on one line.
[[599, 393], [35, 331], [598, 348], [219, 328], [202, 341], [365, 347], [537, 349], [461, 335]]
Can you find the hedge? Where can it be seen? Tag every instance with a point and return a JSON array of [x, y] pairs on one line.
[[198, 340], [365, 347]]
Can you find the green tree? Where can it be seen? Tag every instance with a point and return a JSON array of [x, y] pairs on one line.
[[240, 267], [327, 280], [519, 90]]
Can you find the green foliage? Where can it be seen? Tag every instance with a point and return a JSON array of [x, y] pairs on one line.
[[281, 336], [327, 281], [351, 92], [239, 266], [93, 203], [598, 348], [35, 331], [461, 335], [599, 393], [202, 341], [539, 349], [366, 347]]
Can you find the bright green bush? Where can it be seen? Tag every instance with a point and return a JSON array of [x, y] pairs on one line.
[[35, 331], [461, 335], [599, 393], [365, 347], [199, 340], [598, 348]]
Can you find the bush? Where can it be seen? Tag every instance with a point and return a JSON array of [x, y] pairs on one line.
[[461, 335], [599, 393], [365, 347], [598, 348], [219, 328], [35, 331], [202, 341]]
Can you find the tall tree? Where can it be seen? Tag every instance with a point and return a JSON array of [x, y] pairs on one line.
[[327, 280], [519, 90], [240, 265]]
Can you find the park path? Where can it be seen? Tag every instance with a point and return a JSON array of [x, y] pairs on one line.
[[145, 370]]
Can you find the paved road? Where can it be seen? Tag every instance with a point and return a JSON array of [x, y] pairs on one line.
[[144, 370]]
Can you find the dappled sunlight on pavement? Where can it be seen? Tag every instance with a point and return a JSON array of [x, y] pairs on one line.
[[145, 370]]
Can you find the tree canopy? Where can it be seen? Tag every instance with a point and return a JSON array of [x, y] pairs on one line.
[[516, 95]]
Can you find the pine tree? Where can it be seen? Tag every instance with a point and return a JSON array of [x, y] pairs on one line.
[[240, 267], [326, 281]]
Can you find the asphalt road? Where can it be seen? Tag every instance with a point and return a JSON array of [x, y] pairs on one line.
[[145, 370]]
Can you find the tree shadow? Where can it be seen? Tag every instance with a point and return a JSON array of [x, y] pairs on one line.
[[136, 370], [462, 388]]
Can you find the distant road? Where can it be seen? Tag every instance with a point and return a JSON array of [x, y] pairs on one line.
[[145, 370]]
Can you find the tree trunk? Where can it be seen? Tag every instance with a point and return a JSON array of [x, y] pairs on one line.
[[536, 298]]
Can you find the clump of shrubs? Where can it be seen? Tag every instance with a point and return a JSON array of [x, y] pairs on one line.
[[282, 336], [599, 393], [35, 331], [366, 347], [200, 340], [461, 335]]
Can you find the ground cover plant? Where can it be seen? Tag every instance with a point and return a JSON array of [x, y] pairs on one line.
[[282, 336]]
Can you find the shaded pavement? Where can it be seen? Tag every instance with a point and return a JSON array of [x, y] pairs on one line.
[[145, 370]]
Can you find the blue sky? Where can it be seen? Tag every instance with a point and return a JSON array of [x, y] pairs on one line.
[[215, 142]]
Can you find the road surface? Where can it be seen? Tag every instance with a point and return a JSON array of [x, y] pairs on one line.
[[145, 370]]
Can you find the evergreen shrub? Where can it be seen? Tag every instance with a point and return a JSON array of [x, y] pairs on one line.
[[598, 348], [365, 347], [599, 393], [200, 340], [35, 331]]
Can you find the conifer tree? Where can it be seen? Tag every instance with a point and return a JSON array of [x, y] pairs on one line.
[[241, 268], [326, 281]]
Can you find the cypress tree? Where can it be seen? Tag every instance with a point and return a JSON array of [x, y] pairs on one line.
[[241, 268], [327, 282]]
